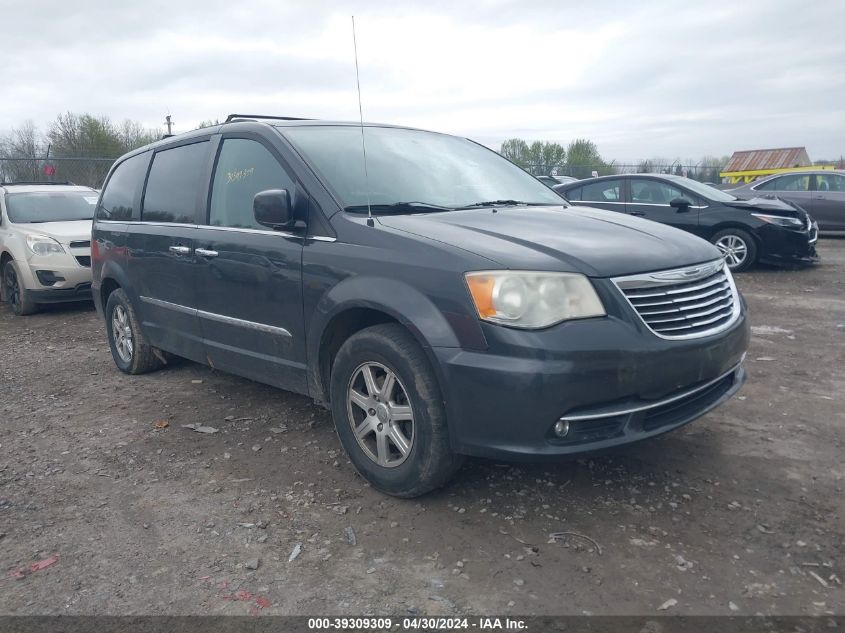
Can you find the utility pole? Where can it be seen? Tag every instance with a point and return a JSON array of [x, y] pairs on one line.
[[168, 123]]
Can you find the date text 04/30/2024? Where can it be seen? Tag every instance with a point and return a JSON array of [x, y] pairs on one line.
[[418, 624]]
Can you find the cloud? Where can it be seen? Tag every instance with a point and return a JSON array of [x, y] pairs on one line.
[[640, 79]]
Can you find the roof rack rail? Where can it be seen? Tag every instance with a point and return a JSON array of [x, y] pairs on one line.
[[37, 182], [233, 117]]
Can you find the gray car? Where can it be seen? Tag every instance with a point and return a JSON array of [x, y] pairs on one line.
[[821, 193]]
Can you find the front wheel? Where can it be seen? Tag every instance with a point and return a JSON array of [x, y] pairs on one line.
[[389, 413], [737, 247], [15, 293]]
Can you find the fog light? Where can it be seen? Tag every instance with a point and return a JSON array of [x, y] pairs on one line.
[[561, 428], [48, 277]]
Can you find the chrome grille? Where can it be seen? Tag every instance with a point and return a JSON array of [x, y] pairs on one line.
[[80, 244], [684, 303]]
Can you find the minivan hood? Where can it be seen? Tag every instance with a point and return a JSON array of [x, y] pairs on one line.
[[63, 232], [573, 239]]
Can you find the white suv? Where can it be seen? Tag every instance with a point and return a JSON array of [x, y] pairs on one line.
[[45, 244]]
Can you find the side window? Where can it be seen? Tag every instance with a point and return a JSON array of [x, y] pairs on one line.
[[654, 192], [603, 191], [244, 168], [769, 185], [573, 194], [792, 182], [830, 182], [118, 200], [175, 179]]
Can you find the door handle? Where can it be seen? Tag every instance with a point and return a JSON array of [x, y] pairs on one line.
[[180, 250], [819, 197], [204, 252], [639, 214]]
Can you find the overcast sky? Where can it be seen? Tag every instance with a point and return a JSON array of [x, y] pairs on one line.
[[641, 79]]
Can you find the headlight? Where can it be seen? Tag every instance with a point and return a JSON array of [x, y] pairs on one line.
[[43, 245], [532, 299], [780, 220]]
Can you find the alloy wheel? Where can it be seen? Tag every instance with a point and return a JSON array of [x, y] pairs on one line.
[[122, 334], [734, 250], [380, 413]]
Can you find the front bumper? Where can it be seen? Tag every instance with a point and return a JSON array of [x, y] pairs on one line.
[[611, 380], [73, 279], [787, 247], [80, 292]]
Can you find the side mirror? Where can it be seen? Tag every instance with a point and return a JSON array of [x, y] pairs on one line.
[[681, 204], [272, 209]]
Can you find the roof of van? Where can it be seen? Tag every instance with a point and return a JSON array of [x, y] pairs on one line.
[[216, 129]]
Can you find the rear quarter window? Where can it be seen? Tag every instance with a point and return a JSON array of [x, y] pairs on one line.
[[573, 194], [122, 192], [602, 191], [175, 179]]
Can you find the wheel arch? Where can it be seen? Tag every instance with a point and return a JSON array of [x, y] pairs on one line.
[[732, 224], [5, 256], [359, 302], [110, 278]]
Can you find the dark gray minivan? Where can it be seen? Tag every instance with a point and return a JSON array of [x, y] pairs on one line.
[[439, 300]]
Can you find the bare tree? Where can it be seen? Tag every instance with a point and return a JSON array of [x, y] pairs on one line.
[[22, 148], [96, 141]]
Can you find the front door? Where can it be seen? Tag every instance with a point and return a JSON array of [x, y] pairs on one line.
[[828, 204], [161, 249], [650, 198], [249, 277], [792, 187]]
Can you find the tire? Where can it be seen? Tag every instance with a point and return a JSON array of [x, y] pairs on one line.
[[415, 415], [131, 352], [738, 248], [14, 292]]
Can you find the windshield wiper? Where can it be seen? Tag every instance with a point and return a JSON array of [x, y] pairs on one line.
[[399, 207], [509, 203]]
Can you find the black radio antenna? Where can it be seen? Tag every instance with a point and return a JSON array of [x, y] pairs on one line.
[[361, 119]]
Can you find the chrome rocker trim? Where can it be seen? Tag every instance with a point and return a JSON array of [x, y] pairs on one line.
[[220, 318]]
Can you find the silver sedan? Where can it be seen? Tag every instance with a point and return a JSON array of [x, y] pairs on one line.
[[820, 192]]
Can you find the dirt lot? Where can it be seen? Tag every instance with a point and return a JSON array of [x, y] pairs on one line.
[[742, 511]]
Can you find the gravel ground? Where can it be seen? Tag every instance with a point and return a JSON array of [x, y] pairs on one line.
[[742, 511]]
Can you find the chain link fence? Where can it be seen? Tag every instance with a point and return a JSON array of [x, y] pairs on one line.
[[80, 171]]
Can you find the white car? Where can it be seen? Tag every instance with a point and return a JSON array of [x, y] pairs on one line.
[[45, 244]]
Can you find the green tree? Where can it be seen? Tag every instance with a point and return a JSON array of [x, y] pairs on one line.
[[539, 158], [516, 151], [583, 158], [548, 156]]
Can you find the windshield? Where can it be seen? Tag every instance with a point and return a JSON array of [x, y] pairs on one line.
[[706, 191], [414, 166], [50, 206]]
